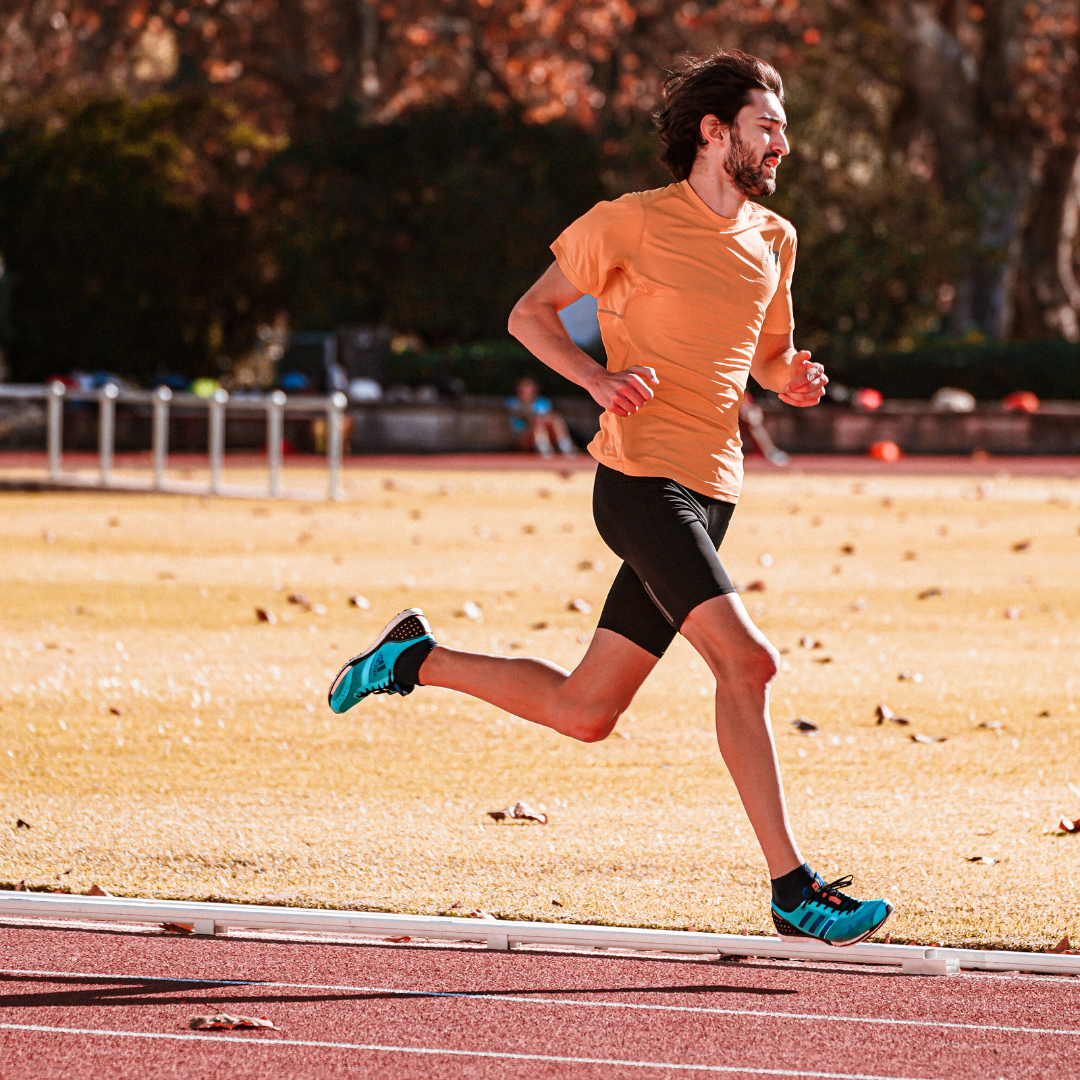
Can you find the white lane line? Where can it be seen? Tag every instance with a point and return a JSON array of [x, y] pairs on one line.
[[519, 999], [440, 1050]]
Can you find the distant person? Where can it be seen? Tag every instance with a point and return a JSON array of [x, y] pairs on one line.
[[536, 423], [694, 288]]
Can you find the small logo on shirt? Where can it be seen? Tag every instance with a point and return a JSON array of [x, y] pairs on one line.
[[772, 258]]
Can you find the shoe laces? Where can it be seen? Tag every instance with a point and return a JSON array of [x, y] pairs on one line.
[[831, 896]]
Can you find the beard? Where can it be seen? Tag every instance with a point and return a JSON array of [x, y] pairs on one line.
[[747, 175]]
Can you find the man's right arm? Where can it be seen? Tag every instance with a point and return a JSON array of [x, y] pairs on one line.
[[536, 324]]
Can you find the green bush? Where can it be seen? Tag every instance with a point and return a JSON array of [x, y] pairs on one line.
[[1050, 369], [435, 223], [125, 250]]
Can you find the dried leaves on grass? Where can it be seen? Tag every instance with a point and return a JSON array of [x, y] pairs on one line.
[[520, 812]]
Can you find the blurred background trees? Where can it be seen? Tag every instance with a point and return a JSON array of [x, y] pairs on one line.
[[172, 174]]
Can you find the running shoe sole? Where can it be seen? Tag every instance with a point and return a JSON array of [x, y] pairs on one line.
[[792, 934]]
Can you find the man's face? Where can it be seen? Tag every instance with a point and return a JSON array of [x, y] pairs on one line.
[[756, 144]]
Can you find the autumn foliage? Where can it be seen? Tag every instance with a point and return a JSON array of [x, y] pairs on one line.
[[932, 177]]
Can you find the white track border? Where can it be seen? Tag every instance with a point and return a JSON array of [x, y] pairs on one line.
[[210, 919]]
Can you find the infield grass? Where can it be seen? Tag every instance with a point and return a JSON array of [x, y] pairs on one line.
[[160, 741]]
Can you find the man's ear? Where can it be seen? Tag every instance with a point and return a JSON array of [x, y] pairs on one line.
[[713, 130]]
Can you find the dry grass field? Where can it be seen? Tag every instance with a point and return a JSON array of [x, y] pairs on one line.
[[158, 740]]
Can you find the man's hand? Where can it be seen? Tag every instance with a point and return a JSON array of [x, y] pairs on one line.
[[623, 392], [808, 386]]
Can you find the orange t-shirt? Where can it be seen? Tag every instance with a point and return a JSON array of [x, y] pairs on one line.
[[687, 292]]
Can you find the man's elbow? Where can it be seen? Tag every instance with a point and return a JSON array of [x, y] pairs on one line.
[[513, 324]]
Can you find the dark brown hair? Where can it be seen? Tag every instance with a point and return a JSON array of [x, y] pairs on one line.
[[719, 85]]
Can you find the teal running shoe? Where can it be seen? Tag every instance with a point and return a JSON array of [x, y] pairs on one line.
[[826, 914], [372, 672]]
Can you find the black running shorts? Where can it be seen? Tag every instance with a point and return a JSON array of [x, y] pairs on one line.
[[667, 537]]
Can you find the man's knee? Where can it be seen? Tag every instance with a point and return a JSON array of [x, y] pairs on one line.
[[590, 724], [755, 663]]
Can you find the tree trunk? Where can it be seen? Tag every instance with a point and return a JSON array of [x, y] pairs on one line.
[[1047, 293], [960, 87]]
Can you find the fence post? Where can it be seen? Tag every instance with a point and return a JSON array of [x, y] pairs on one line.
[[106, 430], [275, 434], [162, 397], [55, 428], [217, 438], [334, 438]]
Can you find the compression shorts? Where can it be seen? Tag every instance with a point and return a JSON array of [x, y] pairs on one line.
[[667, 537]]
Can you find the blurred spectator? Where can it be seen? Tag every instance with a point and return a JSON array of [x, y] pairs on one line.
[[950, 399], [535, 422], [1021, 401]]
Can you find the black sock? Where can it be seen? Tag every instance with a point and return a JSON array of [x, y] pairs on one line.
[[408, 664], [788, 891]]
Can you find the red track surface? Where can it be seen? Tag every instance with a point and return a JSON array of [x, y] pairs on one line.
[[115, 1004]]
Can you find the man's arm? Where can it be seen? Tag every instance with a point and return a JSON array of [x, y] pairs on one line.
[[536, 324], [779, 367]]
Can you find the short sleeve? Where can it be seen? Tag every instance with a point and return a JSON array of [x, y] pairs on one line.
[[600, 242], [779, 315]]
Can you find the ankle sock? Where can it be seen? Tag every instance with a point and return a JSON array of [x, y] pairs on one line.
[[408, 664], [787, 891]]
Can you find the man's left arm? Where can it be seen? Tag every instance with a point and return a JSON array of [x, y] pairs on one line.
[[792, 374]]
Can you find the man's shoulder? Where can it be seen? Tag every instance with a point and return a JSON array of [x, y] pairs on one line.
[[770, 222]]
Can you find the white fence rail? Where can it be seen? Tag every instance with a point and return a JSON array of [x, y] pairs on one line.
[[275, 406], [217, 918]]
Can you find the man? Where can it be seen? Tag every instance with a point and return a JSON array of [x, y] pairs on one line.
[[693, 283]]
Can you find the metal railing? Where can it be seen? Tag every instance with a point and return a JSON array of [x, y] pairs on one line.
[[275, 406]]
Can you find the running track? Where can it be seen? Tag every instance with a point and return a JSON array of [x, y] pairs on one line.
[[115, 1004]]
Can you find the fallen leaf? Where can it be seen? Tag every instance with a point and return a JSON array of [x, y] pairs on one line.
[[519, 811], [823, 660], [991, 725], [557, 903], [1021, 545], [228, 1022], [910, 556], [1044, 713], [591, 564], [579, 605], [540, 626], [480, 913], [910, 676], [1013, 612], [928, 594], [800, 723], [920, 738], [1062, 946], [883, 713], [471, 610], [317, 609], [97, 890], [266, 615], [848, 549], [754, 586], [398, 940], [360, 602], [20, 824], [298, 598], [888, 939], [21, 887], [986, 860], [114, 710], [178, 928], [1069, 825], [808, 642]]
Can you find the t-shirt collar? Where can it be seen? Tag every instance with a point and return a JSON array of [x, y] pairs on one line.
[[716, 221]]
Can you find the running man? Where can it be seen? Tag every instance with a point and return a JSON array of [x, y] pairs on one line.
[[694, 289]]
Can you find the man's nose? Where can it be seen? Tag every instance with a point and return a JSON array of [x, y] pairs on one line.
[[779, 144]]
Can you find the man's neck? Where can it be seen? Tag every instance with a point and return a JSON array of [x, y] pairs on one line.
[[714, 188]]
